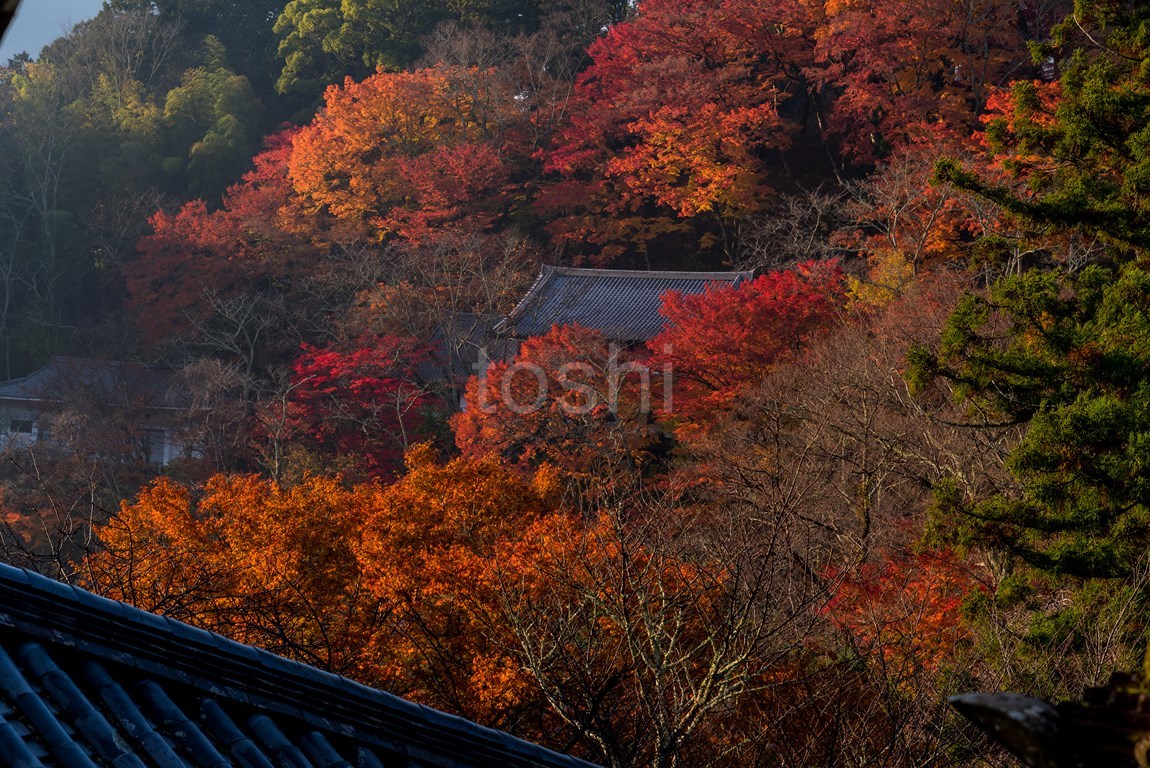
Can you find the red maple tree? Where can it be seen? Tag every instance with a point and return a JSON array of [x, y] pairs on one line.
[[197, 250], [720, 342], [569, 398], [364, 402]]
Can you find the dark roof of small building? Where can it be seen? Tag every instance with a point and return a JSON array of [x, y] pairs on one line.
[[100, 382], [462, 346], [87, 681], [622, 305]]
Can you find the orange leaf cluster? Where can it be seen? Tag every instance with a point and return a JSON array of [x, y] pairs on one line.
[[266, 565], [386, 583], [428, 544], [404, 153]]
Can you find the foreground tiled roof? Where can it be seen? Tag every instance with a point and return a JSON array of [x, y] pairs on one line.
[[86, 681], [624, 306], [103, 382]]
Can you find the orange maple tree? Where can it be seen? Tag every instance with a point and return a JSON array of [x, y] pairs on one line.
[[428, 545], [408, 153], [243, 556], [383, 583]]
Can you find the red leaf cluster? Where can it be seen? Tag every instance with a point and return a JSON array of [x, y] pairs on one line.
[[719, 343], [364, 403]]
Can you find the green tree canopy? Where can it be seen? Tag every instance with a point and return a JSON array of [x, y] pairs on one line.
[[213, 116], [1085, 154], [322, 41], [244, 27], [1065, 355]]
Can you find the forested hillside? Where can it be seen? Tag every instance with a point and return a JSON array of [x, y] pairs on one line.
[[909, 458]]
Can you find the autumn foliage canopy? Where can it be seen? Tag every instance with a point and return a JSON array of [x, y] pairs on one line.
[[780, 532], [722, 342]]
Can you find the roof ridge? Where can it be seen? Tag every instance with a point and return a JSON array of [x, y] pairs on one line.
[[546, 275], [622, 304], [651, 274]]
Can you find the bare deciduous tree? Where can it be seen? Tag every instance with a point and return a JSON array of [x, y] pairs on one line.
[[648, 627]]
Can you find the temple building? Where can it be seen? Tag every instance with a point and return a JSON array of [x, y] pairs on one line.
[[622, 305]]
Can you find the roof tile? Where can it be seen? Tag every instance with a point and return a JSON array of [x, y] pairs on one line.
[[86, 681], [107, 382], [622, 305]]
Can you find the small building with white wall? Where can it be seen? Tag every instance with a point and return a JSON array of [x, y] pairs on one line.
[[122, 411]]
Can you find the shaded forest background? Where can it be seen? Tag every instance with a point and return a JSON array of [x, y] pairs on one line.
[[907, 460]]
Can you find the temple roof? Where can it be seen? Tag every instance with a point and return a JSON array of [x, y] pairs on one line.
[[99, 382], [622, 305], [87, 681]]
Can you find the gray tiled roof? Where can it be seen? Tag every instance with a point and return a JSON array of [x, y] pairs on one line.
[[86, 681], [106, 382], [460, 347], [623, 305]]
